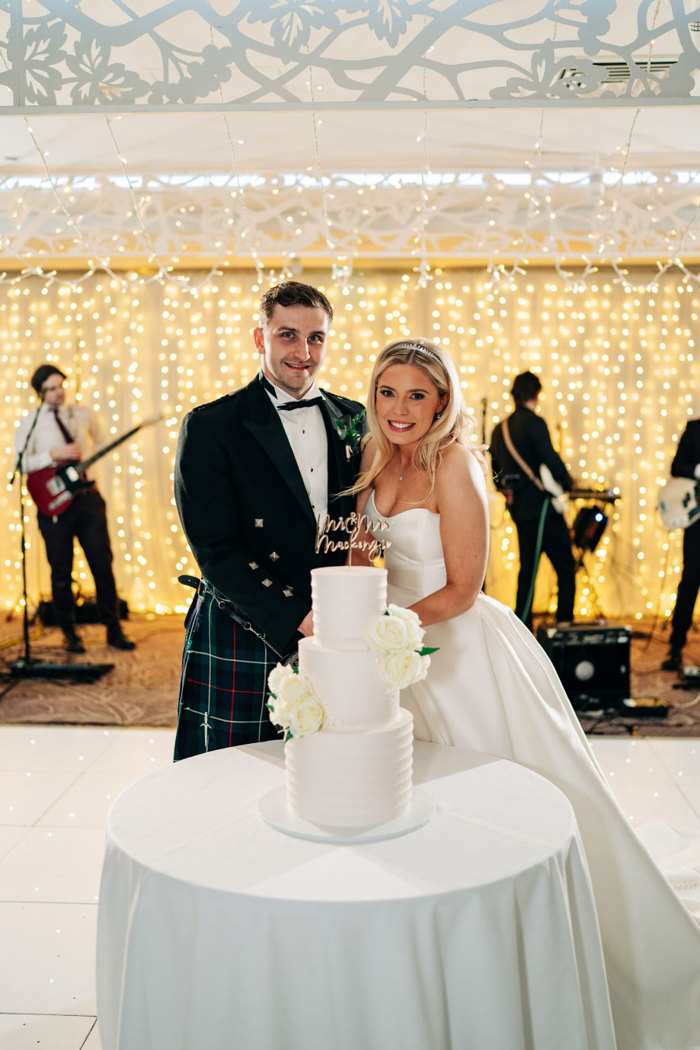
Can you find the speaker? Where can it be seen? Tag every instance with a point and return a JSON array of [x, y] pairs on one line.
[[589, 527], [592, 661]]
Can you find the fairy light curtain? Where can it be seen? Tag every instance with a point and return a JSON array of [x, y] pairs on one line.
[[619, 369]]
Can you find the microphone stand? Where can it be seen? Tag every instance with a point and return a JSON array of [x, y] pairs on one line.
[[484, 409], [26, 666]]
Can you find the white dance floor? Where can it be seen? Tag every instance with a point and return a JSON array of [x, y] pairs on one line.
[[56, 785]]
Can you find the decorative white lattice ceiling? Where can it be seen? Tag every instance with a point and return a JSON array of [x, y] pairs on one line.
[[231, 133]]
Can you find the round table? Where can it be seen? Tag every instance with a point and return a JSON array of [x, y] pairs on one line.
[[477, 930]]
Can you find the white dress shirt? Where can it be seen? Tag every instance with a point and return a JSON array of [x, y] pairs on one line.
[[306, 433], [81, 423]]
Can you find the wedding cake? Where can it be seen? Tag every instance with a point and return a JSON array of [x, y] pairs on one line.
[[349, 749]]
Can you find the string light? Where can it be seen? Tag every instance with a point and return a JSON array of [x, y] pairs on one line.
[[503, 239], [620, 372], [424, 267], [80, 238], [470, 217], [342, 265]]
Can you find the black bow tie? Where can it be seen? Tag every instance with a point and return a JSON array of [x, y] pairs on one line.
[[289, 406]]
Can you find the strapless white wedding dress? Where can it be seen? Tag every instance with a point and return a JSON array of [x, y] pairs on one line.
[[492, 688]]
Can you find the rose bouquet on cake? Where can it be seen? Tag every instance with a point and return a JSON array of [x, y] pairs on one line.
[[293, 705], [398, 635]]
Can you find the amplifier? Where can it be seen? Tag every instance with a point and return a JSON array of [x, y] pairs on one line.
[[592, 661]]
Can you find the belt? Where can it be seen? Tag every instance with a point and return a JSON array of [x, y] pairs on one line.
[[193, 581]]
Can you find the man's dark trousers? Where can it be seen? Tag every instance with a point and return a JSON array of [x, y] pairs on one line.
[[556, 544], [84, 520], [687, 588]]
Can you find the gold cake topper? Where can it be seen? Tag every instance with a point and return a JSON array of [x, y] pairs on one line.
[[352, 527]]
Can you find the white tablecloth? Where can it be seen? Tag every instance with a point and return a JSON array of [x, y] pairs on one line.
[[476, 931]]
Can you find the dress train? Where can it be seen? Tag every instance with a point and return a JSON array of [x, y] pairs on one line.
[[492, 688]]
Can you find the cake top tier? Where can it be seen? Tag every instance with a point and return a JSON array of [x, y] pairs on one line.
[[346, 599]]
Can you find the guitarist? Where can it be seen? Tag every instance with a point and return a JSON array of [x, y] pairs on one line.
[[55, 435], [686, 464], [520, 445]]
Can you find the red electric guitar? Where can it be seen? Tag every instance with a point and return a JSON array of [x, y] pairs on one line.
[[53, 488]]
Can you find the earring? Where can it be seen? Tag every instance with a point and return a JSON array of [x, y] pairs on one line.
[[438, 415]]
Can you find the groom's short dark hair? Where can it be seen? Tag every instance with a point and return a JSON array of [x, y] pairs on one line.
[[293, 293]]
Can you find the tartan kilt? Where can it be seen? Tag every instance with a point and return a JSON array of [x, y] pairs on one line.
[[223, 684]]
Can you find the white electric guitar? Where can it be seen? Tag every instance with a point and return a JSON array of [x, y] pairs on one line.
[[679, 503], [556, 491]]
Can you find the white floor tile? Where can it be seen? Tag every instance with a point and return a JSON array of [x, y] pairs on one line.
[[26, 795], [47, 962], [86, 802], [683, 753], [655, 801], [139, 750], [682, 760], [618, 745], [52, 747], [624, 760], [9, 837], [94, 1041], [62, 865], [52, 842], [690, 789], [52, 1032]]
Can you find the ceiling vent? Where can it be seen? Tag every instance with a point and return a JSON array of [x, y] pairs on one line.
[[619, 71], [617, 74]]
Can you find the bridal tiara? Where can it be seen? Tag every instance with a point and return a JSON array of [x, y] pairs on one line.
[[420, 349]]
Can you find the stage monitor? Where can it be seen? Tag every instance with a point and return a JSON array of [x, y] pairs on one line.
[[592, 661]]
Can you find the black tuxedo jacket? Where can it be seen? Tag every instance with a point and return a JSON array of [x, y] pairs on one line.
[[246, 513], [687, 455], [530, 436]]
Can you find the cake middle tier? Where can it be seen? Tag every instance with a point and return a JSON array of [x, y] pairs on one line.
[[351, 686]]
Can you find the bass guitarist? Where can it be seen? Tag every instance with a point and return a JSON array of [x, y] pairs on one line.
[[52, 436], [520, 446], [686, 464]]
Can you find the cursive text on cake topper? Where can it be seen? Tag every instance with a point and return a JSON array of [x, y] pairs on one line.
[[353, 527]]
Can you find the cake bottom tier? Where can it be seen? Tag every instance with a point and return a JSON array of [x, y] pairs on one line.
[[352, 780]]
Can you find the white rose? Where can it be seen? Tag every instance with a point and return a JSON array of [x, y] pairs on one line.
[[404, 667], [277, 675], [412, 621], [424, 665], [293, 689], [306, 717], [279, 713], [389, 633], [276, 712]]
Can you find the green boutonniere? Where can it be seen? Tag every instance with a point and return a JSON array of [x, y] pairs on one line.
[[350, 432]]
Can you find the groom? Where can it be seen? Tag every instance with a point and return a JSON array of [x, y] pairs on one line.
[[254, 472]]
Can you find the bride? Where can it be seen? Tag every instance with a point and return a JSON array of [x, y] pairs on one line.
[[492, 688]]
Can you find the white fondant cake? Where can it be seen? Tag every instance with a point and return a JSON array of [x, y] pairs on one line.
[[356, 771]]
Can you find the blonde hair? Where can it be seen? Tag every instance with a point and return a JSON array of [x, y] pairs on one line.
[[453, 424]]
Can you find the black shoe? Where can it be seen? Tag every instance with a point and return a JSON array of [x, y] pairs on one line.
[[118, 640], [72, 642], [674, 660]]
